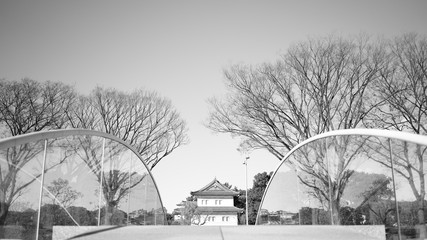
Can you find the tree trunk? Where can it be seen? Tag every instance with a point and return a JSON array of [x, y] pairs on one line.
[[108, 214], [335, 208], [421, 205], [421, 211], [4, 210], [422, 227]]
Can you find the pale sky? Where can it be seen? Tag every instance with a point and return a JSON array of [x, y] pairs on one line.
[[179, 48]]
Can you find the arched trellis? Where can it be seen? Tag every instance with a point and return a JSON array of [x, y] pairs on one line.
[[397, 135], [53, 134]]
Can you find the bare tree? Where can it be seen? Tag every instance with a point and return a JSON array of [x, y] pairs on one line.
[[61, 192], [141, 118], [118, 169], [317, 86], [27, 106], [191, 214], [403, 88], [378, 199]]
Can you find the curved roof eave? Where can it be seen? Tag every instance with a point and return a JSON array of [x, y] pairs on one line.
[[227, 191]]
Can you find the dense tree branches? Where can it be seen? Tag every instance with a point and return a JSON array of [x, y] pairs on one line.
[[327, 84], [142, 119], [30, 106], [317, 86], [27, 106], [402, 87]]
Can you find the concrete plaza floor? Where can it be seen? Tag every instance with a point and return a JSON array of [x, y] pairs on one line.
[[224, 233]]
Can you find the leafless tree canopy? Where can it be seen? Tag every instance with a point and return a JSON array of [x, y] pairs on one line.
[[27, 106], [30, 106], [326, 84], [143, 119], [402, 88], [61, 192], [317, 86]]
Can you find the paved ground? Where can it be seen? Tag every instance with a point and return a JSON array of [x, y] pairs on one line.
[[227, 233]]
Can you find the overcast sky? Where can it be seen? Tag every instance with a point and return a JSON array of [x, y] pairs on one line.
[[179, 48]]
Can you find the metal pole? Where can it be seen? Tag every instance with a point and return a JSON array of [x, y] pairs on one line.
[[41, 189], [145, 201], [155, 212], [127, 218], [100, 185], [298, 198], [394, 190], [329, 186], [246, 183]]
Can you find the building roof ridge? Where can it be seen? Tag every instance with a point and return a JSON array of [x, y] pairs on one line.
[[215, 182]]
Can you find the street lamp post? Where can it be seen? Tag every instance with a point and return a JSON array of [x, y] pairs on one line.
[[246, 183]]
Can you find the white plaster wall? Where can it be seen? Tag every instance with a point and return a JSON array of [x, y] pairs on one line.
[[211, 202], [232, 220]]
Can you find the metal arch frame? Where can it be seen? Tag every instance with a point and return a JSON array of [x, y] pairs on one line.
[[404, 136], [45, 135]]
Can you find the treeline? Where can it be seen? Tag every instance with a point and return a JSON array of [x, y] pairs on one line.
[[25, 222], [55, 215]]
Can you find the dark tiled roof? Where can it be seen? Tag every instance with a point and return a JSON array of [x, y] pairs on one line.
[[225, 209], [214, 197], [214, 193], [215, 188]]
